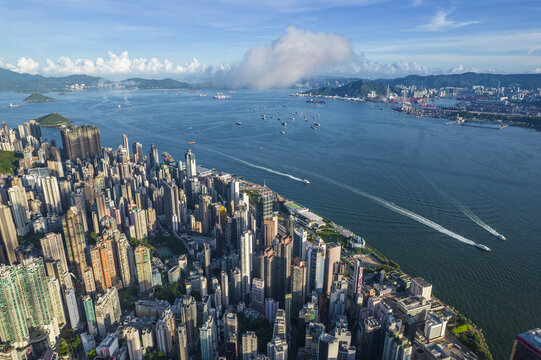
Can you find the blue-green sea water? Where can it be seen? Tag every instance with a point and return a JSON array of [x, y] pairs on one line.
[[442, 173]]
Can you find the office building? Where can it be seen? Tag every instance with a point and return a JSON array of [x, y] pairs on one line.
[[332, 257], [191, 168], [419, 287]]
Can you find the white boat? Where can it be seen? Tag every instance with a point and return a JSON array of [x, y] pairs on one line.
[[282, 132], [305, 181], [482, 247], [501, 237]]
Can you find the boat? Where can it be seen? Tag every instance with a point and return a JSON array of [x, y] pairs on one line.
[[317, 124], [191, 142], [196, 131], [16, 105], [313, 127], [221, 96], [482, 247], [260, 149], [203, 95], [238, 123], [501, 237], [192, 92], [284, 123], [312, 101], [282, 132], [305, 181]]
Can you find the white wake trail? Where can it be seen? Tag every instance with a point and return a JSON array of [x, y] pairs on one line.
[[476, 219]]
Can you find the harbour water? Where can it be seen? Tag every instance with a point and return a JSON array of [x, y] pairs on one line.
[[407, 185]]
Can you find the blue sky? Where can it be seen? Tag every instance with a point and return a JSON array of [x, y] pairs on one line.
[[387, 38]]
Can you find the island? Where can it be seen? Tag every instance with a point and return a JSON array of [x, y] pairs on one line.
[[36, 97], [53, 120]]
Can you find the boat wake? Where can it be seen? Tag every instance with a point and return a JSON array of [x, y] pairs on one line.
[[272, 171], [479, 222]]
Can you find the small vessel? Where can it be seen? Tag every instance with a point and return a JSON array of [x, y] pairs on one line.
[[282, 132], [192, 92], [260, 149], [196, 131], [501, 237], [221, 96], [203, 95], [191, 142], [482, 247], [238, 123], [305, 181], [16, 105], [284, 123], [317, 124], [312, 101], [313, 127]]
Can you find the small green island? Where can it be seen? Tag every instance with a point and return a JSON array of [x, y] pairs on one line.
[[52, 120], [36, 97]]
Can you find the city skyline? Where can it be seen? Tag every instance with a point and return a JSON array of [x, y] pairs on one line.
[[223, 39]]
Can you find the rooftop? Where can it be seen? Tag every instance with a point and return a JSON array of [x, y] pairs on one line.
[[532, 337]]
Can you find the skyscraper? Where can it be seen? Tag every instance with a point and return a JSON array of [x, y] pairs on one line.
[[137, 149], [81, 141], [298, 285], [264, 207], [207, 337], [191, 169], [19, 205], [90, 315], [283, 248], [154, 157], [131, 335], [126, 145], [527, 346], [246, 261], [249, 345], [182, 342], [74, 235], [108, 312], [8, 234], [315, 276], [51, 195], [53, 248], [332, 257], [144, 269], [188, 312]]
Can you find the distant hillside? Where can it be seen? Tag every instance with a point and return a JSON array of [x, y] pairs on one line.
[[525, 81], [359, 88], [155, 84], [53, 119], [13, 81], [8, 162], [36, 97]]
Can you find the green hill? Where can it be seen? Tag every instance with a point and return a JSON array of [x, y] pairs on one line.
[[155, 84], [36, 97], [8, 162], [525, 81], [359, 88], [53, 119]]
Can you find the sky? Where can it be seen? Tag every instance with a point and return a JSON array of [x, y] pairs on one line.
[[247, 38]]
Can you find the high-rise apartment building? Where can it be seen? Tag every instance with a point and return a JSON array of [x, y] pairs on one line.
[[108, 312], [81, 141], [249, 345], [8, 234], [143, 265], [51, 195], [19, 205], [52, 246], [75, 237]]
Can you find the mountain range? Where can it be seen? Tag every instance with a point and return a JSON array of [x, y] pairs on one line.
[[13, 81]]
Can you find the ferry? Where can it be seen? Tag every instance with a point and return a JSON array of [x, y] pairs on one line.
[[16, 105], [482, 247], [221, 96], [305, 181]]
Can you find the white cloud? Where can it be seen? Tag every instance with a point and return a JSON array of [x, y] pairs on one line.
[[440, 22], [294, 55], [460, 69], [24, 65], [416, 2], [119, 64], [537, 70]]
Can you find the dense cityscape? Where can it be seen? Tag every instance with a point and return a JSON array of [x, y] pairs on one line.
[[120, 254]]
